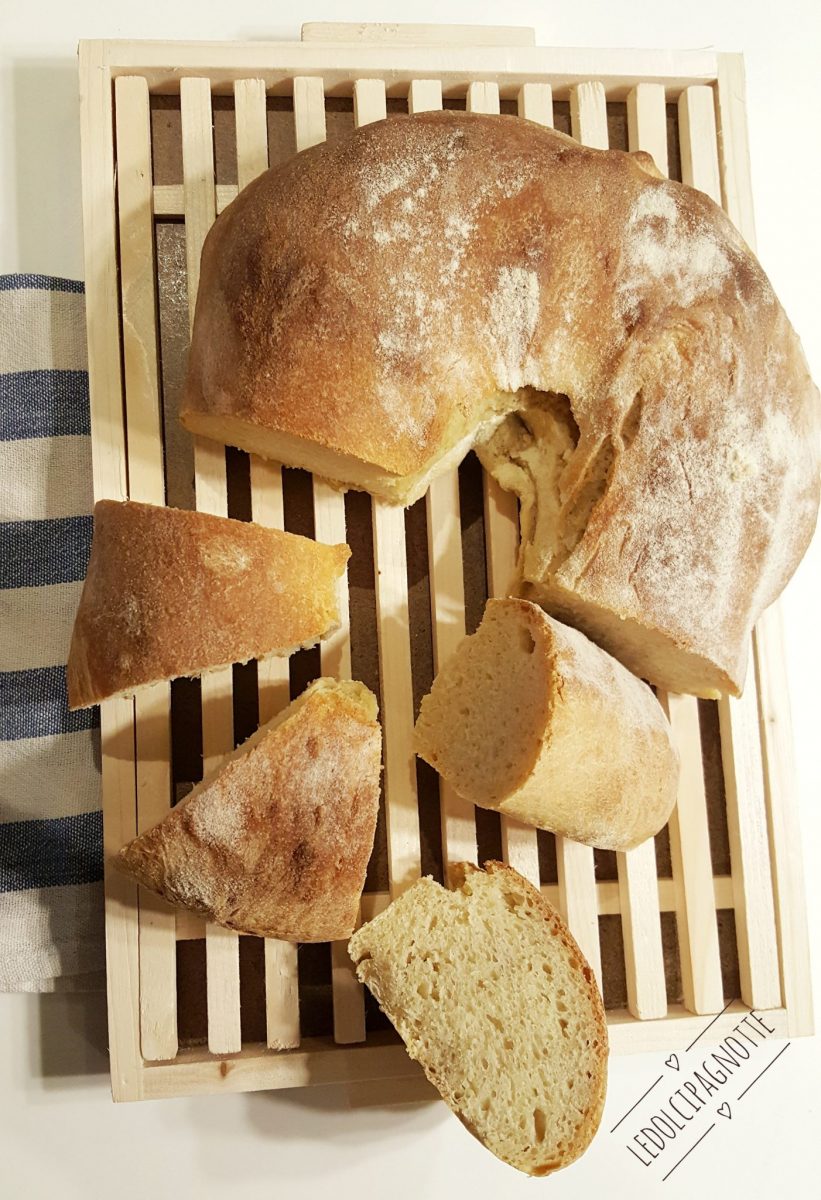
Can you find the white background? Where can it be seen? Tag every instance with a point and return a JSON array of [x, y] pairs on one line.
[[59, 1132]]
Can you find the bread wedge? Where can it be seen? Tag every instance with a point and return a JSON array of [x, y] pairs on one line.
[[532, 719], [276, 843], [171, 592], [491, 994]]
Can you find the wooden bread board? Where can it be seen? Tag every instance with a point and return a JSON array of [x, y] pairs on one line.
[[710, 914]]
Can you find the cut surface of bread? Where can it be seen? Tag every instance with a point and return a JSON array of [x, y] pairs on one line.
[[171, 592], [604, 337], [531, 718], [491, 994], [277, 842]]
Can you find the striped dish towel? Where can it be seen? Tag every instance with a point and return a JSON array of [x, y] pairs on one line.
[[51, 909]]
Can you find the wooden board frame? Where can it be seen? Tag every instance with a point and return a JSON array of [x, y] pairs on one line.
[[765, 887]]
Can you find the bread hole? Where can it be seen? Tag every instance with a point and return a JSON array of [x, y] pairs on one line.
[[631, 422], [548, 970], [513, 901], [434, 921], [540, 1124], [507, 1043], [561, 1006], [527, 642], [563, 1026], [495, 1022]]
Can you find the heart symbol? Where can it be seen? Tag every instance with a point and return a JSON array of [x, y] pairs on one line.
[[672, 1062], [723, 1110]]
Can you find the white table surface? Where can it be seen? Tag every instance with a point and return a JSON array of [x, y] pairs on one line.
[[59, 1132]]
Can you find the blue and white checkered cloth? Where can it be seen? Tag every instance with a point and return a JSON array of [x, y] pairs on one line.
[[51, 909]]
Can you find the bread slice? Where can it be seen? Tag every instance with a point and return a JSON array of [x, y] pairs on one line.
[[277, 842], [530, 718], [170, 592], [491, 994]]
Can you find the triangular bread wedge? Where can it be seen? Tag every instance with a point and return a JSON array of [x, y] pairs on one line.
[[491, 994], [531, 718], [277, 842], [171, 592]]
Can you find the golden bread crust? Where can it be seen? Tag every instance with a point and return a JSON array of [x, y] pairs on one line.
[[277, 842], [170, 592], [386, 298]]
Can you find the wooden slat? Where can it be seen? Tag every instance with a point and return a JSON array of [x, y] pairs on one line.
[[628, 1036], [781, 795], [647, 122], [575, 863], [195, 1072], [619, 70], [405, 33], [779, 775], [424, 95], [733, 145], [221, 945], [519, 842], [169, 198], [117, 751], [608, 902], [641, 931], [391, 584], [739, 719], [695, 904], [768, 639], [588, 114], [369, 101], [536, 103], [329, 526], [501, 512], [577, 898], [281, 983], [638, 884], [697, 139], [158, 946], [447, 586], [749, 849], [447, 594], [251, 121]]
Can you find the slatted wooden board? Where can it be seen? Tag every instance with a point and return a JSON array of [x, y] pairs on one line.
[[713, 910]]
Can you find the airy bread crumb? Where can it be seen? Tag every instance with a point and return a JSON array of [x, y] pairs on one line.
[[532, 719], [493, 997]]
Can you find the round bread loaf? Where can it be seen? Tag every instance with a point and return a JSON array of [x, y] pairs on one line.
[[378, 305]]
